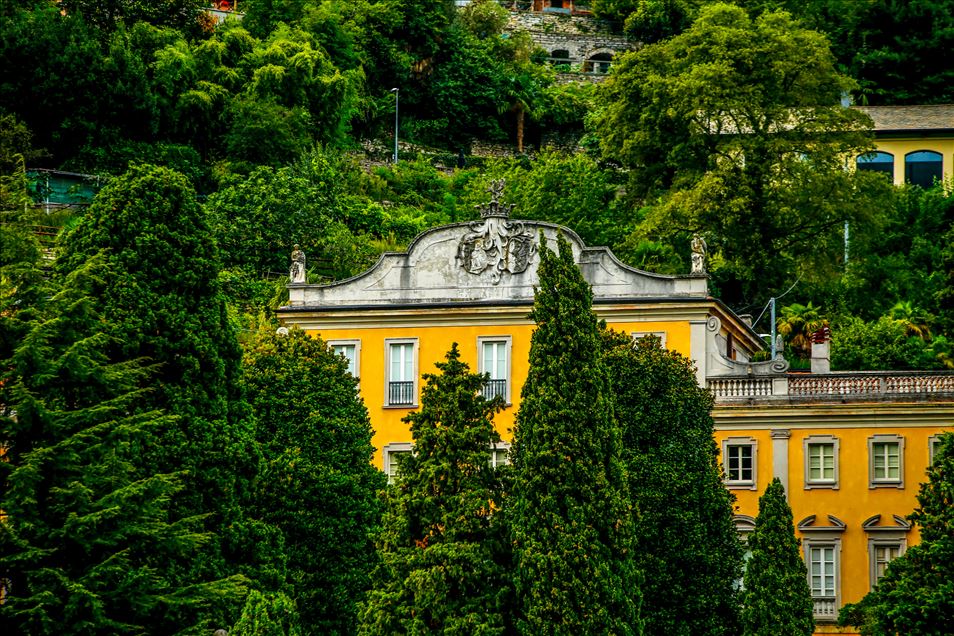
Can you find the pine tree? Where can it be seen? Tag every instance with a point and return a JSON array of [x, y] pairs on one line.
[[160, 290], [688, 545], [442, 562], [319, 487], [916, 594], [83, 529], [570, 511], [776, 599], [262, 616]]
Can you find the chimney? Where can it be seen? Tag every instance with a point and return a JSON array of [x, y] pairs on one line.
[[821, 350]]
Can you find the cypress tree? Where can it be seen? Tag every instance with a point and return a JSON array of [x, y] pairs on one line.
[[570, 512], [689, 553], [442, 567], [83, 528], [160, 290], [916, 594], [319, 487], [776, 599]]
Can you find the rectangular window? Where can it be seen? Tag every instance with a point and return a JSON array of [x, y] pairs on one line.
[[639, 335], [392, 454], [495, 360], [401, 387], [821, 461], [882, 555], [934, 446], [350, 349], [886, 461], [500, 455], [739, 462], [821, 571]]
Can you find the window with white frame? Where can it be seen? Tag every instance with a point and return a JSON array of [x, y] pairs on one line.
[[392, 454], [822, 572], [351, 350], [883, 553], [401, 389], [495, 361], [821, 461], [886, 461], [739, 462], [639, 335], [934, 446], [500, 455]]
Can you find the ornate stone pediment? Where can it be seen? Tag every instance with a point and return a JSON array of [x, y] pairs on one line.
[[496, 243]]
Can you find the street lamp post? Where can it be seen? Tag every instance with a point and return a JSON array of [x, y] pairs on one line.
[[397, 100]]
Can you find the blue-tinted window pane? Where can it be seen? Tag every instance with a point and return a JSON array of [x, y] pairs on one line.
[[878, 162], [923, 168]]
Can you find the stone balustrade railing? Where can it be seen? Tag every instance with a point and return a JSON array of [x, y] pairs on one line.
[[859, 385], [825, 608]]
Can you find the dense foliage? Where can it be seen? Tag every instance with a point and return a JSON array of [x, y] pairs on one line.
[[159, 288], [914, 595], [776, 599], [86, 532], [688, 545], [444, 562], [318, 480], [570, 510]]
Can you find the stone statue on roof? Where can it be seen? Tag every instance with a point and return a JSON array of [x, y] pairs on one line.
[[296, 273], [699, 248]]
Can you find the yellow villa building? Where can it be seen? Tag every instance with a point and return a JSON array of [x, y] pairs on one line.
[[851, 449], [915, 144]]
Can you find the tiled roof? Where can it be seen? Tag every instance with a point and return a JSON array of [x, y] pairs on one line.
[[933, 117]]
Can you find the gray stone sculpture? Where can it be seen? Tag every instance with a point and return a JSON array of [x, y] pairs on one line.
[[296, 273], [496, 242], [698, 256]]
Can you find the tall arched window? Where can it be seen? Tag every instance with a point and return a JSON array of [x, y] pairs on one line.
[[923, 168], [878, 162]]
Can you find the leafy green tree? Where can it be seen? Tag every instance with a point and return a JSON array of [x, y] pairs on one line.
[[570, 509], [688, 544], [85, 530], [159, 288], [776, 599], [112, 14], [749, 153], [881, 344], [443, 564], [914, 595], [649, 20], [264, 616], [319, 487]]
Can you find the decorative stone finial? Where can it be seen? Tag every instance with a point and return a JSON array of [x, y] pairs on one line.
[[495, 207], [296, 273], [698, 256]]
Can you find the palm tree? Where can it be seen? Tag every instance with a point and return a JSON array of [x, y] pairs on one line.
[[797, 323], [916, 321]]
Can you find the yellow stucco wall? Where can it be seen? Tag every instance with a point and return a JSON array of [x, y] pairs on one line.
[[854, 501], [433, 344], [902, 146]]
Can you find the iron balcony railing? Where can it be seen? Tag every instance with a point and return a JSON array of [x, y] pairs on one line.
[[400, 393]]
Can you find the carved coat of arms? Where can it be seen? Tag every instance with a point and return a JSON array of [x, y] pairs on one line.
[[496, 242]]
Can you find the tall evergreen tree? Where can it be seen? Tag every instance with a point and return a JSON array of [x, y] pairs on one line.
[[689, 552], [570, 509], [84, 529], [916, 594], [442, 567], [160, 290], [776, 599], [319, 487]]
